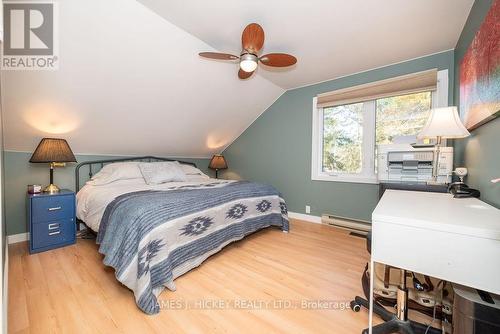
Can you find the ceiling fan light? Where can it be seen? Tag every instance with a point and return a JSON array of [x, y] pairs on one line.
[[248, 63]]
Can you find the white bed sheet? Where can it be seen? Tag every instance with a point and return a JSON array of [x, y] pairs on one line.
[[91, 201]]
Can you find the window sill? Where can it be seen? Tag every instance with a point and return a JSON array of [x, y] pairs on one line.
[[346, 179]]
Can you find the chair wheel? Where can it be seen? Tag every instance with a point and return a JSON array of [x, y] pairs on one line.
[[354, 306]]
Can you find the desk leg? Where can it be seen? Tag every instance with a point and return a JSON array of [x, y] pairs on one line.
[[370, 312]]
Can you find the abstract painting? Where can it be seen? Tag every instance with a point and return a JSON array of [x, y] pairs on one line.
[[480, 73]]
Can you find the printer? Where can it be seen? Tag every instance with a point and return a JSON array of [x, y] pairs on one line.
[[404, 163]]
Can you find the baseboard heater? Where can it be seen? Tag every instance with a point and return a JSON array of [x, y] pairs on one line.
[[349, 224]]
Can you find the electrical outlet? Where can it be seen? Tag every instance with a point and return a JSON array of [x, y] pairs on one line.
[[308, 209]]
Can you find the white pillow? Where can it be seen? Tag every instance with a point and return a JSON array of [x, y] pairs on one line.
[[191, 170], [116, 171], [161, 172]]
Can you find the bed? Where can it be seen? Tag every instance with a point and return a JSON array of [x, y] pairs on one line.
[[153, 233]]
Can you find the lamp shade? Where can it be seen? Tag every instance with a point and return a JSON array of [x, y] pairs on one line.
[[53, 150], [444, 123], [218, 162]]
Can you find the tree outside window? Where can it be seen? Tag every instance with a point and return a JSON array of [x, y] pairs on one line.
[[403, 115]]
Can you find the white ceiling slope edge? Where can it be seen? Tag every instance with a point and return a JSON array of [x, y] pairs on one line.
[[330, 38], [130, 83]]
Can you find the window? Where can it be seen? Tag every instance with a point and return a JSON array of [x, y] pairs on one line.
[[343, 138], [402, 115], [345, 135]]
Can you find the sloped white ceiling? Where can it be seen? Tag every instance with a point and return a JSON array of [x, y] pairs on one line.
[[130, 82], [330, 38]]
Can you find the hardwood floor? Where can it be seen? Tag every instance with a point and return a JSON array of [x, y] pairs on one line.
[[238, 290]]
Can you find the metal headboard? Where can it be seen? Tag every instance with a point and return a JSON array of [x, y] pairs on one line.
[[101, 163]]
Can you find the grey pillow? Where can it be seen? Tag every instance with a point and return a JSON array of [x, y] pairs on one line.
[[161, 172]]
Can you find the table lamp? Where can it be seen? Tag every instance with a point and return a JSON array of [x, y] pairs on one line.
[[443, 123], [217, 162], [55, 152]]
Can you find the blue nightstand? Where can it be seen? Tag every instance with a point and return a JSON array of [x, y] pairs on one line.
[[51, 220]]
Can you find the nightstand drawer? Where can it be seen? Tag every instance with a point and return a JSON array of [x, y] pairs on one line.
[[53, 233], [50, 208]]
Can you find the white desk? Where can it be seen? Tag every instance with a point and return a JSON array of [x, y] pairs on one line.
[[457, 240]]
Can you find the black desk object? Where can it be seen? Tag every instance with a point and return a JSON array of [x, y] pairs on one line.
[[413, 186]]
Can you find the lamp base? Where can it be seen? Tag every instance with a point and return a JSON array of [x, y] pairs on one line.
[[51, 188]]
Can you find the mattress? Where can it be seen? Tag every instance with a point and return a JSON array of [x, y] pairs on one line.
[[91, 201]]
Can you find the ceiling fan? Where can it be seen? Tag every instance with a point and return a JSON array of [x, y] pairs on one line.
[[252, 41]]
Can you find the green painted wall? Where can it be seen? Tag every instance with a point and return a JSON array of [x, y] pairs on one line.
[[479, 153], [3, 229], [276, 148], [19, 173]]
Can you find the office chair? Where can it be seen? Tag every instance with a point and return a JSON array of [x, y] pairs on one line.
[[394, 323]]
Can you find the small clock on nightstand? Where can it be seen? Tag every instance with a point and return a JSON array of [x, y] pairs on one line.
[[51, 220]]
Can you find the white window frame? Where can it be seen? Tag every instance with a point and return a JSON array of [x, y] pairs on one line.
[[439, 98]]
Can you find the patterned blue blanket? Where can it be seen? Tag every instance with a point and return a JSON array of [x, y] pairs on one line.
[[153, 237]]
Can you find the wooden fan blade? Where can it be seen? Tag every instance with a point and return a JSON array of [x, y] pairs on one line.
[[252, 38], [217, 55], [278, 59], [244, 75]]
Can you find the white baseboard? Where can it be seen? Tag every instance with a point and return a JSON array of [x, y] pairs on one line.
[[15, 238], [5, 295], [305, 217]]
